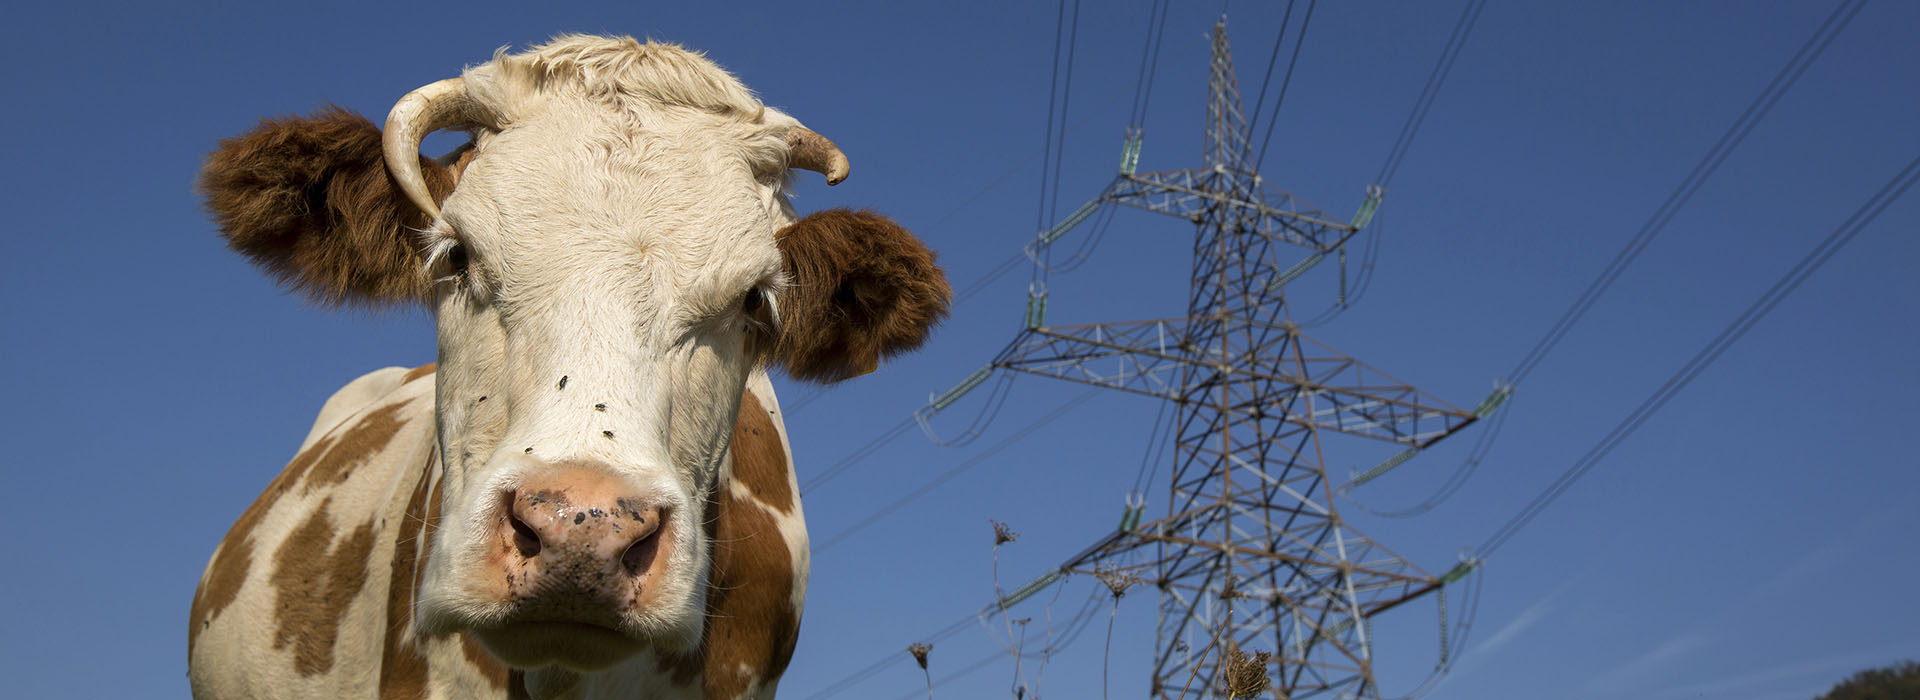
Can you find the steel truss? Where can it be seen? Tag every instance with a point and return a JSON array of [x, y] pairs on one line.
[[1252, 554]]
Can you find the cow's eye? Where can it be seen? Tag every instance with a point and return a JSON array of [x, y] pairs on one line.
[[756, 311], [457, 259]]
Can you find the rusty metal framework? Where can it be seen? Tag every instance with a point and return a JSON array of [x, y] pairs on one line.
[[1252, 554]]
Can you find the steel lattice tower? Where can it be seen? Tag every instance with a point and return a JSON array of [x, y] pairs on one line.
[[1251, 554]]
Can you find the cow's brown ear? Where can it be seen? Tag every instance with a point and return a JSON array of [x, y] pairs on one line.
[[862, 289], [309, 200]]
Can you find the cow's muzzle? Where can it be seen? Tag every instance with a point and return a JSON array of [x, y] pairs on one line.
[[582, 549]]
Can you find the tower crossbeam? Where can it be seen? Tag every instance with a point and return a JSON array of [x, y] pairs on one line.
[[1153, 358]]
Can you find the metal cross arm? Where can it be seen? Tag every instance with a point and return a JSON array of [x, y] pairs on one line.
[[1154, 358], [1244, 198]]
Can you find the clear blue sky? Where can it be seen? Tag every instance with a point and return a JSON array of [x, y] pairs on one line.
[[1754, 540]]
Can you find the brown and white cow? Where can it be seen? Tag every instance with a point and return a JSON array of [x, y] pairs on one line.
[[590, 495]]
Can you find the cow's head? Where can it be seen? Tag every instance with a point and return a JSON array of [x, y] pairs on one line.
[[608, 261]]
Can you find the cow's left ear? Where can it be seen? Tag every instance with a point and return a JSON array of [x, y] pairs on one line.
[[861, 288]]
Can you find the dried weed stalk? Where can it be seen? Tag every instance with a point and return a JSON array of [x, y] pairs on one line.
[[919, 651], [1244, 676], [1003, 534], [1118, 582]]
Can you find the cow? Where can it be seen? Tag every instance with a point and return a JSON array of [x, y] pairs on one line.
[[590, 494]]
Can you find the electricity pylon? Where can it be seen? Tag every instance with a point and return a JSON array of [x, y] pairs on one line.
[[1252, 554]]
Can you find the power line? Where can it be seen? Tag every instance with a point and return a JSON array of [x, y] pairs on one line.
[[859, 453], [1757, 110], [1298, 41], [1422, 105], [893, 657], [986, 279], [1066, 102], [1260, 103], [1805, 268], [1070, 632], [1048, 165], [1149, 63], [956, 471], [1469, 17]]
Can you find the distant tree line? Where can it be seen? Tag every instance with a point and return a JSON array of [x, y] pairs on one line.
[[1900, 681]]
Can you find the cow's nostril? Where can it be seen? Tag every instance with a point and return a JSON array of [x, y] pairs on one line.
[[524, 538], [640, 554]]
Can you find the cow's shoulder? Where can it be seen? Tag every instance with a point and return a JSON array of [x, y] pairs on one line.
[[293, 598], [360, 393]]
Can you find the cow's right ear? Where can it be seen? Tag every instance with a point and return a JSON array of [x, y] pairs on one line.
[[309, 199], [860, 289]]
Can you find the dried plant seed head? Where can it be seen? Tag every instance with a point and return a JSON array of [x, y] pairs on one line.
[[1116, 580], [919, 651], [1245, 676], [1022, 621], [1002, 533]]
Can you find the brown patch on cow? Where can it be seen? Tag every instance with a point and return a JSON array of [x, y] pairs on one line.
[[425, 370], [369, 435], [863, 289], [229, 567], [751, 622], [403, 669], [222, 584], [315, 580], [329, 460], [309, 199], [759, 460]]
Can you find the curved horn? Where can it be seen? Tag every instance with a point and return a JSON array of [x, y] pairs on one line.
[[421, 112], [811, 151]]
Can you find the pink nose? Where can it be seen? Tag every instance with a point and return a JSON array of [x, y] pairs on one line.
[[580, 527]]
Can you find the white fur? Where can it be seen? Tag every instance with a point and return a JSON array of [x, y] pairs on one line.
[[614, 220]]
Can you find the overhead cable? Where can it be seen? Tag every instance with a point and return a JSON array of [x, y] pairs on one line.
[[1298, 41], [1705, 358], [1756, 111], [956, 471]]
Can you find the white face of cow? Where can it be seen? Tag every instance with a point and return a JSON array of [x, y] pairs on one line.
[[607, 271], [609, 263]]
